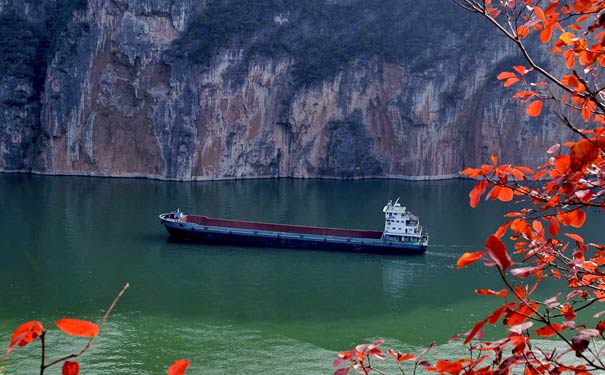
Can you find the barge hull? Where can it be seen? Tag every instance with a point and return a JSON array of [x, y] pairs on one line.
[[247, 237]]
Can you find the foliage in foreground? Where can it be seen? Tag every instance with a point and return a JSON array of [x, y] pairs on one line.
[[30, 331], [556, 197]]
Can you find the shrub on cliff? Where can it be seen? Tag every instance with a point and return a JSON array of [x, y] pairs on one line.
[[320, 36]]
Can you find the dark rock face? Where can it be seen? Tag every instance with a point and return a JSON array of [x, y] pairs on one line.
[[118, 91]]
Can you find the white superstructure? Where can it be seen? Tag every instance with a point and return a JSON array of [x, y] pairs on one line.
[[401, 225]]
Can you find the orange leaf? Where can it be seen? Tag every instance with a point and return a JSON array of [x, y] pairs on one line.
[[567, 38], [77, 327], [502, 229], [573, 218], [522, 31], [178, 367], [569, 60], [522, 227], [537, 226], [471, 172], [521, 69], [511, 81], [70, 368], [562, 163], [524, 94], [497, 251], [575, 237], [494, 159], [505, 194], [468, 258], [534, 108], [583, 153], [581, 5], [475, 194], [588, 109], [540, 14], [23, 335], [506, 75], [570, 80], [546, 34]]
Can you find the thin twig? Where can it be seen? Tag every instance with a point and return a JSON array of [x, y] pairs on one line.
[[89, 343]]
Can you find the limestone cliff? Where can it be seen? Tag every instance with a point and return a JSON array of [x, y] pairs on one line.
[[118, 92]]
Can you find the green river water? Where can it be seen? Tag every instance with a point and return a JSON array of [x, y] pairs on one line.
[[70, 243]]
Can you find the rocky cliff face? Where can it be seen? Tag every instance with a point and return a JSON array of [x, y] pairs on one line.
[[115, 99]]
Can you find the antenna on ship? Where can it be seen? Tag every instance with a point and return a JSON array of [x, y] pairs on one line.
[[397, 201]]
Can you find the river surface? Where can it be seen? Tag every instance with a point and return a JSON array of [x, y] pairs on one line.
[[69, 244]]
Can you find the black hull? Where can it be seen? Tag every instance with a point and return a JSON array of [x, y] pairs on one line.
[[287, 240]]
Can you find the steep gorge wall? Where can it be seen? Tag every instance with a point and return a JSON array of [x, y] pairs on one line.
[[115, 101]]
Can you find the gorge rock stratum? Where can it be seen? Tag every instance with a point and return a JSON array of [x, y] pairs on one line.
[[195, 90]]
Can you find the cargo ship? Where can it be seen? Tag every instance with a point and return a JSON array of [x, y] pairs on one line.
[[402, 233]]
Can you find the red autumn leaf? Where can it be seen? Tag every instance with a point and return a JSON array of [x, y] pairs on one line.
[[77, 327], [570, 80], [575, 237], [499, 313], [506, 75], [522, 70], [448, 367], [522, 31], [573, 218], [519, 316], [478, 190], [23, 335], [511, 81], [540, 14], [404, 357], [524, 94], [497, 251], [553, 226], [179, 367], [537, 226], [588, 109], [475, 331], [505, 194], [569, 59], [546, 34], [534, 108], [342, 371], [468, 258], [568, 312], [583, 153], [562, 163], [502, 229], [548, 331], [489, 292], [524, 272], [494, 192], [70, 368]]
